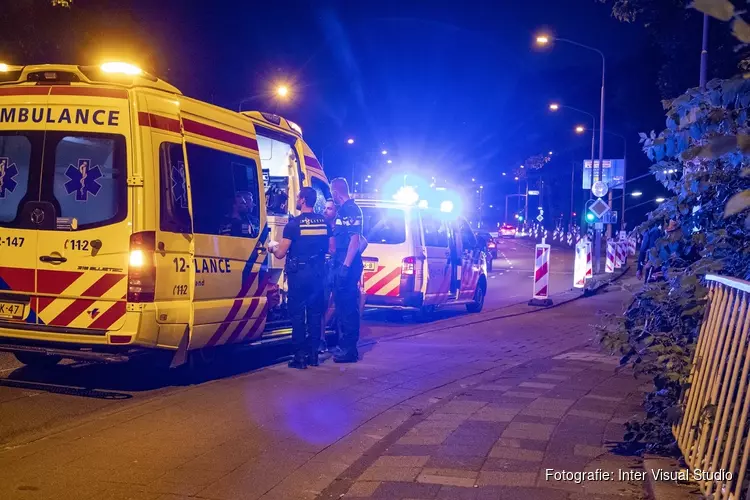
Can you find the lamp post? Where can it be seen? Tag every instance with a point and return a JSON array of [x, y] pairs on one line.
[[543, 40]]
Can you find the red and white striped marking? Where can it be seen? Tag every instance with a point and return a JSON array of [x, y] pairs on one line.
[[589, 264], [541, 272], [609, 267], [618, 255], [383, 281], [579, 266]]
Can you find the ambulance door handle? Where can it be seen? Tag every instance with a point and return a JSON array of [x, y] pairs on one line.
[[52, 260]]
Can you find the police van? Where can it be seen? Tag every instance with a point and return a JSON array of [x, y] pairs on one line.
[[132, 217], [420, 259], [288, 164]]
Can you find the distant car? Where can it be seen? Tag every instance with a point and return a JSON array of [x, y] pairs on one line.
[[490, 246], [507, 231]]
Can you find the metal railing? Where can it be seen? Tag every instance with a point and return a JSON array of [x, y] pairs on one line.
[[713, 433]]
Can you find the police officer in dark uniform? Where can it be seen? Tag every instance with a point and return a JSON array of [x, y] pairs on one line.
[[304, 243], [347, 262]]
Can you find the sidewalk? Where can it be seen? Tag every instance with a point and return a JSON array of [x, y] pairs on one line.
[[467, 412]]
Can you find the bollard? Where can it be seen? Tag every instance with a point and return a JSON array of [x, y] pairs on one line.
[[609, 267], [579, 266], [624, 247], [618, 255], [541, 275], [589, 264], [631, 246]]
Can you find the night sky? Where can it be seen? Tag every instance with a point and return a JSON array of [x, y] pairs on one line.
[[453, 89]]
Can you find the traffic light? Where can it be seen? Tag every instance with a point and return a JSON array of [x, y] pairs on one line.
[[520, 218], [590, 217]]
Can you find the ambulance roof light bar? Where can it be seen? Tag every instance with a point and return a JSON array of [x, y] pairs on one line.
[[122, 68]]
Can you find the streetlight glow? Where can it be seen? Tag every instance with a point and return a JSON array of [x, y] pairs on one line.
[[504, 173], [390, 161], [282, 91], [350, 141], [659, 200], [481, 187], [550, 153], [542, 39], [554, 106], [522, 166], [580, 129], [384, 152], [473, 179], [516, 178], [636, 194]]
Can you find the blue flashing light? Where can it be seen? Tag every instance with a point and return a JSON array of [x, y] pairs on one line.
[[446, 206]]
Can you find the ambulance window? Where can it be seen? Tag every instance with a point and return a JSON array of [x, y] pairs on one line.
[[15, 156], [224, 191], [435, 231], [323, 192], [174, 214], [89, 178], [384, 225]]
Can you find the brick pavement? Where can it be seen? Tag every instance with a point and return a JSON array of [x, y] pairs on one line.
[[469, 412]]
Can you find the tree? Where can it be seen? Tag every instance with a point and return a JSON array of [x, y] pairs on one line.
[[676, 31]]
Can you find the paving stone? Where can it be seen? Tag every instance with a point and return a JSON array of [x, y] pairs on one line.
[[582, 450], [406, 490], [457, 493], [490, 478], [552, 376], [461, 407], [536, 385], [523, 430], [362, 489], [379, 473], [401, 461], [524, 395], [493, 387], [590, 414], [517, 454], [463, 462], [438, 476]]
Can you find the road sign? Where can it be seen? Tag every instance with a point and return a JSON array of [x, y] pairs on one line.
[[610, 217], [599, 208], [540, 218], [600, 189], [533, 193]]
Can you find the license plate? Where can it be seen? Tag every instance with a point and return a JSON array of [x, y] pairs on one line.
[[369, 265], [11, 310]]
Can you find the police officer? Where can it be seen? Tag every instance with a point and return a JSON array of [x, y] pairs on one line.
[[304, 243], [347, 263]]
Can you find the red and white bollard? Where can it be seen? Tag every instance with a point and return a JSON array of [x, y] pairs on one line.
[[579, 266], [618, 255], [541, 276], [589, 264], [609, 266]]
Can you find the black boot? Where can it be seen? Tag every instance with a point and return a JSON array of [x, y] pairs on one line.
[[298, 362], [312, 356]]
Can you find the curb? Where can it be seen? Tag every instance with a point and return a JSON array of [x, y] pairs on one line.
[[593, 291], [666, 490]]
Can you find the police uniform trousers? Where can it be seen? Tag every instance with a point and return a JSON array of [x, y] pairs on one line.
[[306, 305], [346, 300]]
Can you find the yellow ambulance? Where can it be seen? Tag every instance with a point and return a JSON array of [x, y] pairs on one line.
[[132, 218], [288, 164]]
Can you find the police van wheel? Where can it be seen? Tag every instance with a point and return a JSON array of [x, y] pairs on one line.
[[478, 303], [37, 360]]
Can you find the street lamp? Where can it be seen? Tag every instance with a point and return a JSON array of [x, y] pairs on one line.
[[550, 153], [554, 106], [350, 141], [384, 152], [390, 161], [580, 129], [504, 173], [636, 194], [659, 200], [282, 91], [542, 40]]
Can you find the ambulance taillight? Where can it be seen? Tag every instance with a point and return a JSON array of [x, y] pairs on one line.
[[408, 271], [141, 267], [407, 266]]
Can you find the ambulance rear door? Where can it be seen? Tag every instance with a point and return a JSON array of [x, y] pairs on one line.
[[436, 235], [389, 249]]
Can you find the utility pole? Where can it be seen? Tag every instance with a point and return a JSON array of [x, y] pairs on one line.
[[704, 53]]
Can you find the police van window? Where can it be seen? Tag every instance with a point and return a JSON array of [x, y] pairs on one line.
[[174, 215], [89, 178], [15, 156], [468, 240], [323, 191], [435, 231], [224, 192], [384, 225]]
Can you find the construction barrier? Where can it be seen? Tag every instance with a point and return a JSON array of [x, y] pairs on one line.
[[624, 246], [631, 246], [618, 255], [718, 445], [589, 263], [541, 275], [609, 266]]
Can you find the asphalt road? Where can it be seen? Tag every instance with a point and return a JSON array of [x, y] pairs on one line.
[[34, 402]]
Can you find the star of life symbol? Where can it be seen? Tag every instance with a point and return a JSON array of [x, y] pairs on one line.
[[8, 172], [179, 186], [83, 180]]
